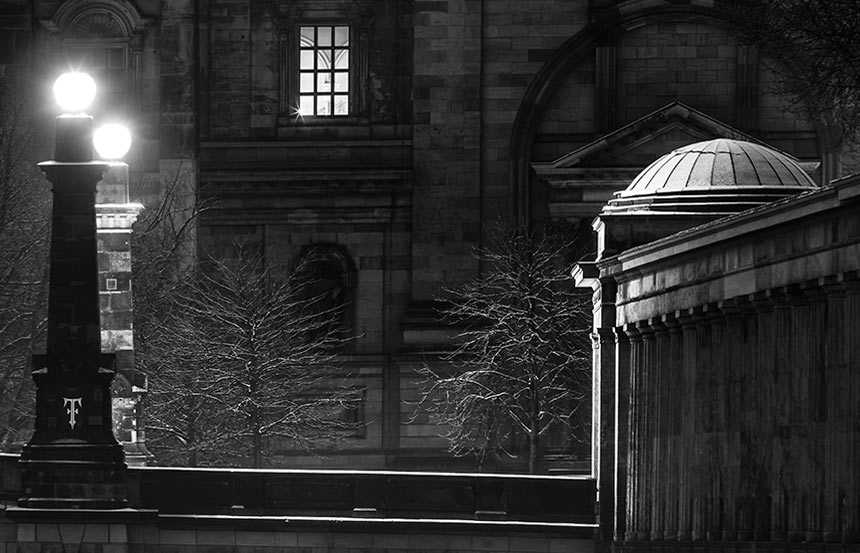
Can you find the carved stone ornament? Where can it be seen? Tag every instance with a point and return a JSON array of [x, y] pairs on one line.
[[97, 19]]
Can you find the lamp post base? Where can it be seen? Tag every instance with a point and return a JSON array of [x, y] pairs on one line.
[[72, 476], [72, 460]]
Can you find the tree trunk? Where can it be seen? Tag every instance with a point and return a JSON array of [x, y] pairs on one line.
[[191, 441], [534, 431], [256, 441], [534, 447], [257, 461]]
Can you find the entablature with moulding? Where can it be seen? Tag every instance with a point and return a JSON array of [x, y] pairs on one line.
[[372, 195]]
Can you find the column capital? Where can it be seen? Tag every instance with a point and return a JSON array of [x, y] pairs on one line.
[[633, 333], [734, 307], [671, 321], [645, 327], [779, 297]]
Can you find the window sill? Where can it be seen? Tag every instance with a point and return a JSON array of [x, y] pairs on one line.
[[294, 121]]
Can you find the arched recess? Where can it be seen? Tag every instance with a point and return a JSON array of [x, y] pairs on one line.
[[114, 29], [331, 275], [607, 25]]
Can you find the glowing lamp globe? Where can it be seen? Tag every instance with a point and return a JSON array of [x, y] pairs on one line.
[[112, 141], [74, 91]]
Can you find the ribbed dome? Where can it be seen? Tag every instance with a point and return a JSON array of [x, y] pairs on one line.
[[716, 175]]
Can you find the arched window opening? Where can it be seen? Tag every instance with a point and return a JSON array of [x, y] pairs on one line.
[[328, 276]]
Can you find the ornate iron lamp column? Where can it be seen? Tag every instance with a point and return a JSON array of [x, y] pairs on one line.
[[73, 459]]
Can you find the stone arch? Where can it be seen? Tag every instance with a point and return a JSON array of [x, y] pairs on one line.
[[605, 29], [114, 18]]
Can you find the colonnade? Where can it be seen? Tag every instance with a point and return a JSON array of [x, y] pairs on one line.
[[740, 420]]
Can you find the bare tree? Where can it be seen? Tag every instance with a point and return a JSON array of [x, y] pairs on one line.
[[24, 224], [163, 248], [241, 362], [813, 46], [522, 365]]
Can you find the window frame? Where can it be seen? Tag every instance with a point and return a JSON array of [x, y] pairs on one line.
[[316, 48], [294, 70], [290, 42]]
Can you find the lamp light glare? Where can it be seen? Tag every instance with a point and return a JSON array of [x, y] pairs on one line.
[[112, 141], [74, 91]]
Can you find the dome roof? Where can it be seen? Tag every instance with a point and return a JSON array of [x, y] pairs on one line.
[[720, 175]]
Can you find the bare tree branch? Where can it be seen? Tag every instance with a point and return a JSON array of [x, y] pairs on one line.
[[813, 47], [24, 224]]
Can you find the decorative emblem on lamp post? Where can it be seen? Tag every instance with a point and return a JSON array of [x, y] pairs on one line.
[[73, 459], [72, 405]]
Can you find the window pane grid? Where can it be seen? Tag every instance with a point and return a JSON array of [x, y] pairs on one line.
[[324, 70]]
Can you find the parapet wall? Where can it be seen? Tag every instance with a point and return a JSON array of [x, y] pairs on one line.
[[262, 511]]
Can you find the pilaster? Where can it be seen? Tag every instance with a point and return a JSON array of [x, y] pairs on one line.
[[622, 426], [603, 421], [687, 399], [634, 425]]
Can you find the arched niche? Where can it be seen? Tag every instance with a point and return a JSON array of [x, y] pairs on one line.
[[331, 275]]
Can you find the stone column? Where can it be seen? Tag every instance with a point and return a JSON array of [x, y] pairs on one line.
[[733, 454], [674, 445], [658, 400], [794, 409], [622, 428], [757, 469], [782, 370], [746, 467], [851, 356], [701, 427], [644, 490], [634, 420], [714, 422], [687, 427], [605, 398], [818, 424]]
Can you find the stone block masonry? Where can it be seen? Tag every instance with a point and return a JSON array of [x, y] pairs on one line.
[[201, 535], [691, 62], [446, 157]]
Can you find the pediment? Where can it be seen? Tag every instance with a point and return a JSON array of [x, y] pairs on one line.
[[639, 143], [582, 181]]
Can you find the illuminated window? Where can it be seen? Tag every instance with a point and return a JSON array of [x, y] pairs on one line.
[[324, 70]]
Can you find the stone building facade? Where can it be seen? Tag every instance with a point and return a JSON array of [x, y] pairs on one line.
[[390, 133]]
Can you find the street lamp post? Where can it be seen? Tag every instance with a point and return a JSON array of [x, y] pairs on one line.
[[73, 459]]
